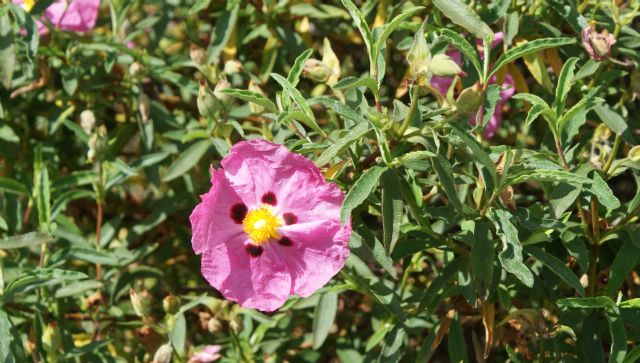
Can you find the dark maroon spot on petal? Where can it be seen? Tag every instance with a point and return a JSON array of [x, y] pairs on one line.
[[285, 241], [269, 198], [253, 250], [289, 218], [238, 212]]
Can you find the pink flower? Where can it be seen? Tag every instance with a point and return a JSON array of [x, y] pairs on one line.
[[269, 227], [208, 354], [598, 45], [72, 15], [442, 84]]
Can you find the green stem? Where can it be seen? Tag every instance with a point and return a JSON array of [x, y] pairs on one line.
[[612, 155], [412, 108]]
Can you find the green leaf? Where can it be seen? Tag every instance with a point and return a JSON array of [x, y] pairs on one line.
[[178, 336], [511, 255], [7, 52], [431, 293], [355, 134], [198, 6], [461, 14], [360, 191], [527, 48], [492, 96], [292, 92], [77, 288], [339, 108], [556, 266], [548, 175], [586, 302], [222, 33], [353, 82], [601, 189], [298, 67], [8, 338], [481, 258], [25, 240], [187, 160], [381, 256], [252, 97], [74, 179], [91, 256], [392, 208], [531, 98], [444, 171], [562, 197], [392, 349], [391, 27], [13, 186], [325, 314], [535, 111], [624, 262], [361, 24], [286, 116], [39, 277], [472, 148], [615, 122], [460, 43], [456, 343], [618, 331], [564, 84]]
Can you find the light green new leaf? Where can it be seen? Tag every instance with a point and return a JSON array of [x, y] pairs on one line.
[[13, 186], [298, 67], [360, 191], [391, 26], [461, 14], [601, 189], [353, 82], [294, 94], [564, 84], [527, 48], [460, 43], [357, 132], [24, 240], [252, 97], [586, 302], [361, 24]]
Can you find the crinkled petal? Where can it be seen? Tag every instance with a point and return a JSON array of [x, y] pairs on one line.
[[261, 282], [78, 15], [211, 220], [317, 252]]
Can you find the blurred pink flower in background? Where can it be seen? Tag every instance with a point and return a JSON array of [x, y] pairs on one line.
[[72, 15], [209, 353], [269, 227], [442, 84]]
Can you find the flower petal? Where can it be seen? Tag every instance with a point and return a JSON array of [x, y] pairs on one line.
[[261, 282], [212, 221], [317, 252]]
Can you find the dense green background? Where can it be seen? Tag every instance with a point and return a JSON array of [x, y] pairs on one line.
[[464, 249]]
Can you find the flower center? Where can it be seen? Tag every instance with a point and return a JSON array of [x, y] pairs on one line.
[[261, 225], [28, 5]]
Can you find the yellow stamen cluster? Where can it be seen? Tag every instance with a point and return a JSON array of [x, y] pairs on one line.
[[27, 5], [261, 225]]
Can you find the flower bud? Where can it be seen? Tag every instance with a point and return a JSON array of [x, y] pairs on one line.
[[135, 69], [444, 66], [316, 71], [598, 45], [232, 66], [214, 325], [98, 144], [469, 100], [163, 354], [419, 58], [222, 85], [51, 338], [634, 153], [87, 121], [236, 324], [207, 102], [171, 304], [144, 108], [141, 302], [197, 54]]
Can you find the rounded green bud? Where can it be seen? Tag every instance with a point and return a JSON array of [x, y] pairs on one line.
[[634, 153], [163, 354], [316, 71], [444, 66], [222, 85], [419, 58], [208, 104], [469, 100], [214, 325], [171, 304]]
